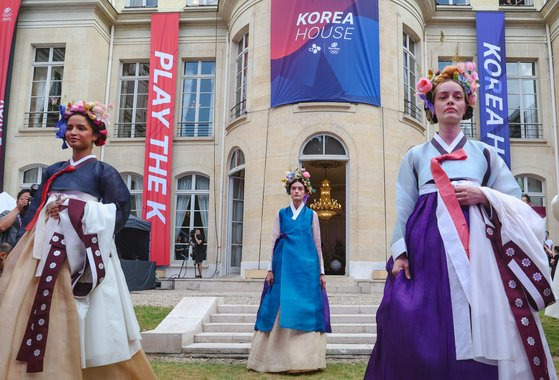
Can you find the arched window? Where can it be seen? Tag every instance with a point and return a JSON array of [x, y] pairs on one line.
[[534, 188], [32, 176], [192, 197], [134, 183], [324, 145], [236, 210]]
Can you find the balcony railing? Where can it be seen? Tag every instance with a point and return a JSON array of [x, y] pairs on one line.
[[514, 3], [201, 3], [129, 130], [469, 129], [525, 131], [41, 119], [453, 2], [412, 110], [141, 4], [199, 129], [239, 109]]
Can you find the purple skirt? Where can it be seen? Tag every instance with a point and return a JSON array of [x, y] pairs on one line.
[[415, 335]]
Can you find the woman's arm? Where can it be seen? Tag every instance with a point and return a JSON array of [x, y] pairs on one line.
[[318, 245]]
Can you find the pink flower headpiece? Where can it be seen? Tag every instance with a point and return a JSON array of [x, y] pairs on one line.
[[298, 174], [94, 111], [463, 73]]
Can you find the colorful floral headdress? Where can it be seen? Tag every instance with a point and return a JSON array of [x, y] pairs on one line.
[[94, 111], [298, 174], [463, 73]]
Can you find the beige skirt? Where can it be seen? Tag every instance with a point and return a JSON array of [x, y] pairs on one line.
[[287, 350], [18, 285]]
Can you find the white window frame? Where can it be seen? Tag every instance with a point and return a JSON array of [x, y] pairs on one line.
[[136, 78], [193, 193], [27, 185], [233, 173], [520, 78], [411, 103], [50, 64], [241, 61], [198, 77], [127, 178], [523, 178]]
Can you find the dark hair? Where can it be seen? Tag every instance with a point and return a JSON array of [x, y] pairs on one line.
[[288, 189], [94, 127], [526, 196], [21, 192], [5, 247]]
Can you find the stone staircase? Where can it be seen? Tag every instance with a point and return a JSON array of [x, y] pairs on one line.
[[229, 332]]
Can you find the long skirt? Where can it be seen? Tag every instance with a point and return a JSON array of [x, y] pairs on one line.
[[18, 285], [415, 333], [282, 350]]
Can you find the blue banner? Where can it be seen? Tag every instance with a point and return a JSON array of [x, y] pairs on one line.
[[493, 105], [324, 51]]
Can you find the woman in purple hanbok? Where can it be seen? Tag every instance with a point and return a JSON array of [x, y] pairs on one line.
[[423, 321]]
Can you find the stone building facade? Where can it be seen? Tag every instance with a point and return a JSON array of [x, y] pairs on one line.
[[231, 149]]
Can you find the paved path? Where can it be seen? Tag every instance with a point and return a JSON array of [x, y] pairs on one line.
[[170, 298]]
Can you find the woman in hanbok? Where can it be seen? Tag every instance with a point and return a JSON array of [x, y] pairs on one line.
[[294, 315], [63, 283], [451, 301]]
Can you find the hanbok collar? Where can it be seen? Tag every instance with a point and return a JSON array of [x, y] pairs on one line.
[[72, 162], [444, 148], [297, 211]]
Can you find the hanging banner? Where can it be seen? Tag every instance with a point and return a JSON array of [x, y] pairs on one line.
[[493, 104], [325, 51], [8, 19], [156, 199]]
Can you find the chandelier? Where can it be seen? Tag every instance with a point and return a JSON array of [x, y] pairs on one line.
[[326, 207]]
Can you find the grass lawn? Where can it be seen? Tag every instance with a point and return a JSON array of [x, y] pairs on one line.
[[169, 368]]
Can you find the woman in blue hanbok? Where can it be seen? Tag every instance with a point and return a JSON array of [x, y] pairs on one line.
[[63, 282], [293, 315], [447, 311]]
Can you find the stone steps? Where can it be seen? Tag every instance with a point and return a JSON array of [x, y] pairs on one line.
[[243, 349], [251, 318], [246, 337], [243, 327], [228, 331]]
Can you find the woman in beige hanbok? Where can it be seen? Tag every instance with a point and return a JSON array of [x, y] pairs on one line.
[[64, 305]]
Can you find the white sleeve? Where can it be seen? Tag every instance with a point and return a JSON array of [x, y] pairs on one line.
[[406, 197], [317, 241], [276, 231]]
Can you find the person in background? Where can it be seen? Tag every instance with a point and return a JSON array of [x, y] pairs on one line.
[[548, 242], [198, 250], [5, 249], [12, 220], [526, 199]]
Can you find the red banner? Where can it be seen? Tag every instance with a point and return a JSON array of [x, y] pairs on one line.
[[163, 63], [8, 18]]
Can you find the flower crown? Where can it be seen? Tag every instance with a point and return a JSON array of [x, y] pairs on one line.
[[463, 72], [94, 111], [298, 174]]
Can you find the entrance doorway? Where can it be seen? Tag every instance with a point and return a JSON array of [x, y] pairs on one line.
[[326, 160]]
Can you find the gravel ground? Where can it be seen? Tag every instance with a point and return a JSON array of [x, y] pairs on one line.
[[170, 298]]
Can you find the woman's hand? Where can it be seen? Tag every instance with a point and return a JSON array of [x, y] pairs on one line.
[[401, 263], [470, 195], [322, 280], [53, 209], [270, 278]]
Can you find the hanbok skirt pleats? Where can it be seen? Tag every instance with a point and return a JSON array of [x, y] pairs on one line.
[[415, 333], [287, 350], [18, 285]]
